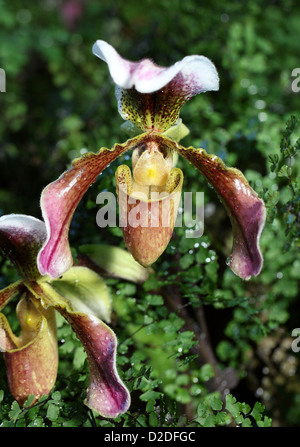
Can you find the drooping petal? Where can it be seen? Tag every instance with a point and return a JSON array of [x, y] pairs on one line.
[[21, 237], [244, 208], [87, 292], [151, 96], [106, 394], [148, 223], [32, 358], [60, 199]]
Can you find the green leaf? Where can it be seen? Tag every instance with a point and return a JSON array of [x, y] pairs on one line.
[[150, 394], [232, 406], [209, 421], [206, 372], [257, 411], [70, 423], [79, 357], [142, 421], [214, 401], [266, 422], [246, 423], [29, 401], [56, 395], [153, 419], [15, 411], [186, 261], [155, 300], [38, 422], [222, 418], [52, 411], [150, 405], [284, 171]]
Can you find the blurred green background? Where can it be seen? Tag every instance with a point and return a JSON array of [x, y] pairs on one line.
[[59, 103]]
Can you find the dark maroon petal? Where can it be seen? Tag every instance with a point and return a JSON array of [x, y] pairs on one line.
[[107, 394], [59, 201], [21, 237], [245, 209]]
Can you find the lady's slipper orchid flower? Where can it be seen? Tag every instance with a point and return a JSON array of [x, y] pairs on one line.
[[81, 296], [150, 97]]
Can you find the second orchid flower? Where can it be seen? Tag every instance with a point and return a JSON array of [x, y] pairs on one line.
[[81, 297]]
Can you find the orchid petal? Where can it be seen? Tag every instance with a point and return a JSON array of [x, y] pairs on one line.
[[114, 261], [86, 291], [60, 199], [106, 394], [21, 237], [151, 96], [32, 358], [244, 208], [147, 77]]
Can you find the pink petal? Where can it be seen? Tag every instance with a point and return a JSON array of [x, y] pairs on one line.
[[59, 201], [245, 209], [21, 237], [106, 393], [197, 72], [151, 96]]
